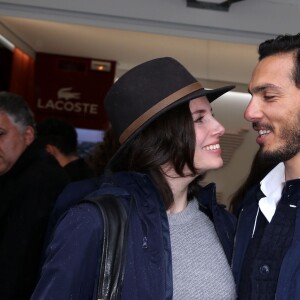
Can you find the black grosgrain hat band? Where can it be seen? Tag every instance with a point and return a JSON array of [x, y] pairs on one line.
[[157, 108]]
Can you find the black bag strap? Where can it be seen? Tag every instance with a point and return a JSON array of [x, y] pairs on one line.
[[115, 219]]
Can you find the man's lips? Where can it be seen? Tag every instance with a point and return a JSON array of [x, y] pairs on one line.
[[262, 132], [262, 129]]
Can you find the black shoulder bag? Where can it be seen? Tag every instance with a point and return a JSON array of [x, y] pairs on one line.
[[115, 219]]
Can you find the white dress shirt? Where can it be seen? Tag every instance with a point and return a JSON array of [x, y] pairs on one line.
[[272, 186]]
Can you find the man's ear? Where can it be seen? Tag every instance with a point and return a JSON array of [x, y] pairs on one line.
[[29, 135], [51, 149]]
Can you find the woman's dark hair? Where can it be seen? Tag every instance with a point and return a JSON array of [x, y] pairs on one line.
[[259, 169], [169, 139], [103, 152]]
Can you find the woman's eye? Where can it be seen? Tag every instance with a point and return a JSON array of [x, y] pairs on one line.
[[198, 120]]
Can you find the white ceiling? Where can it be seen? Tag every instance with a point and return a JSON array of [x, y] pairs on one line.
[[129, 48], [215, 46]]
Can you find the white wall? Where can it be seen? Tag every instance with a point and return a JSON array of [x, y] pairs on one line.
[[249, 21]]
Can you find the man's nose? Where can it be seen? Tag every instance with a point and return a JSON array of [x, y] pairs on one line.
[[253, 112]]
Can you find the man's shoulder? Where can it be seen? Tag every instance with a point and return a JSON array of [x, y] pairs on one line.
[[45, 166], [252, 196], [78, 169]]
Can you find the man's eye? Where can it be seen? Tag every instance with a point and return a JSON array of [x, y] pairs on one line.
[[268, 97]]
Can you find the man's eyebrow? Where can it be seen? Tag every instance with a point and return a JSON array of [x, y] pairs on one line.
[[261, 88]]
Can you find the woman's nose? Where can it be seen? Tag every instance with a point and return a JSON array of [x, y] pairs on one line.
[[220, 130]]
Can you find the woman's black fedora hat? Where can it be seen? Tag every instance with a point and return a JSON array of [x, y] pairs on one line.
[[147, 91]]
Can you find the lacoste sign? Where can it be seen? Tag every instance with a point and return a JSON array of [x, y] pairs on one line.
[[68, 101], [71, 88]]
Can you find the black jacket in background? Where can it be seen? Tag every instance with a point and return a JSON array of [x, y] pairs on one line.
[[27, 195], [78, 170]]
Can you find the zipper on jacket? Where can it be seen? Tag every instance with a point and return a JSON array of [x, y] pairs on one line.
[[144, 226], [234, 241]]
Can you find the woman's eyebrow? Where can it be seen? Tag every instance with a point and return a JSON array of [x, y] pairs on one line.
[[200, 111]]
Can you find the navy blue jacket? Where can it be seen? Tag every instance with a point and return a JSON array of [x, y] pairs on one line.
[[73, 256], [288, 286]]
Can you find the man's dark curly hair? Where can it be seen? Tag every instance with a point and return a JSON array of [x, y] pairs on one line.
[[281, 45]]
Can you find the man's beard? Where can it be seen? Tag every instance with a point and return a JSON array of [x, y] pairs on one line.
[[290, 134]]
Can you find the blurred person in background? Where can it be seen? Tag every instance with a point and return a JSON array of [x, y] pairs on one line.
[[30, 182], [97, 160], [60, 140]]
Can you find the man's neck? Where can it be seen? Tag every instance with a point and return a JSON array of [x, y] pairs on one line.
[[292, 167]]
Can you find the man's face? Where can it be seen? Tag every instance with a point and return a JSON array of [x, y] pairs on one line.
[[12, 142], [274, 109]]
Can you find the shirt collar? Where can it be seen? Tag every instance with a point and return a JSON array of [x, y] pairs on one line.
[[272, 186]]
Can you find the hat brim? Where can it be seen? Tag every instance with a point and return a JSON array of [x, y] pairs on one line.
[[210, 94]]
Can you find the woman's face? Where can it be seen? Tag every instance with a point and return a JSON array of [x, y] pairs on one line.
[[207, 132]]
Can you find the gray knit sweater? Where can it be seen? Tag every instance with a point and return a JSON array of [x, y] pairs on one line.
[[200, 267]]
